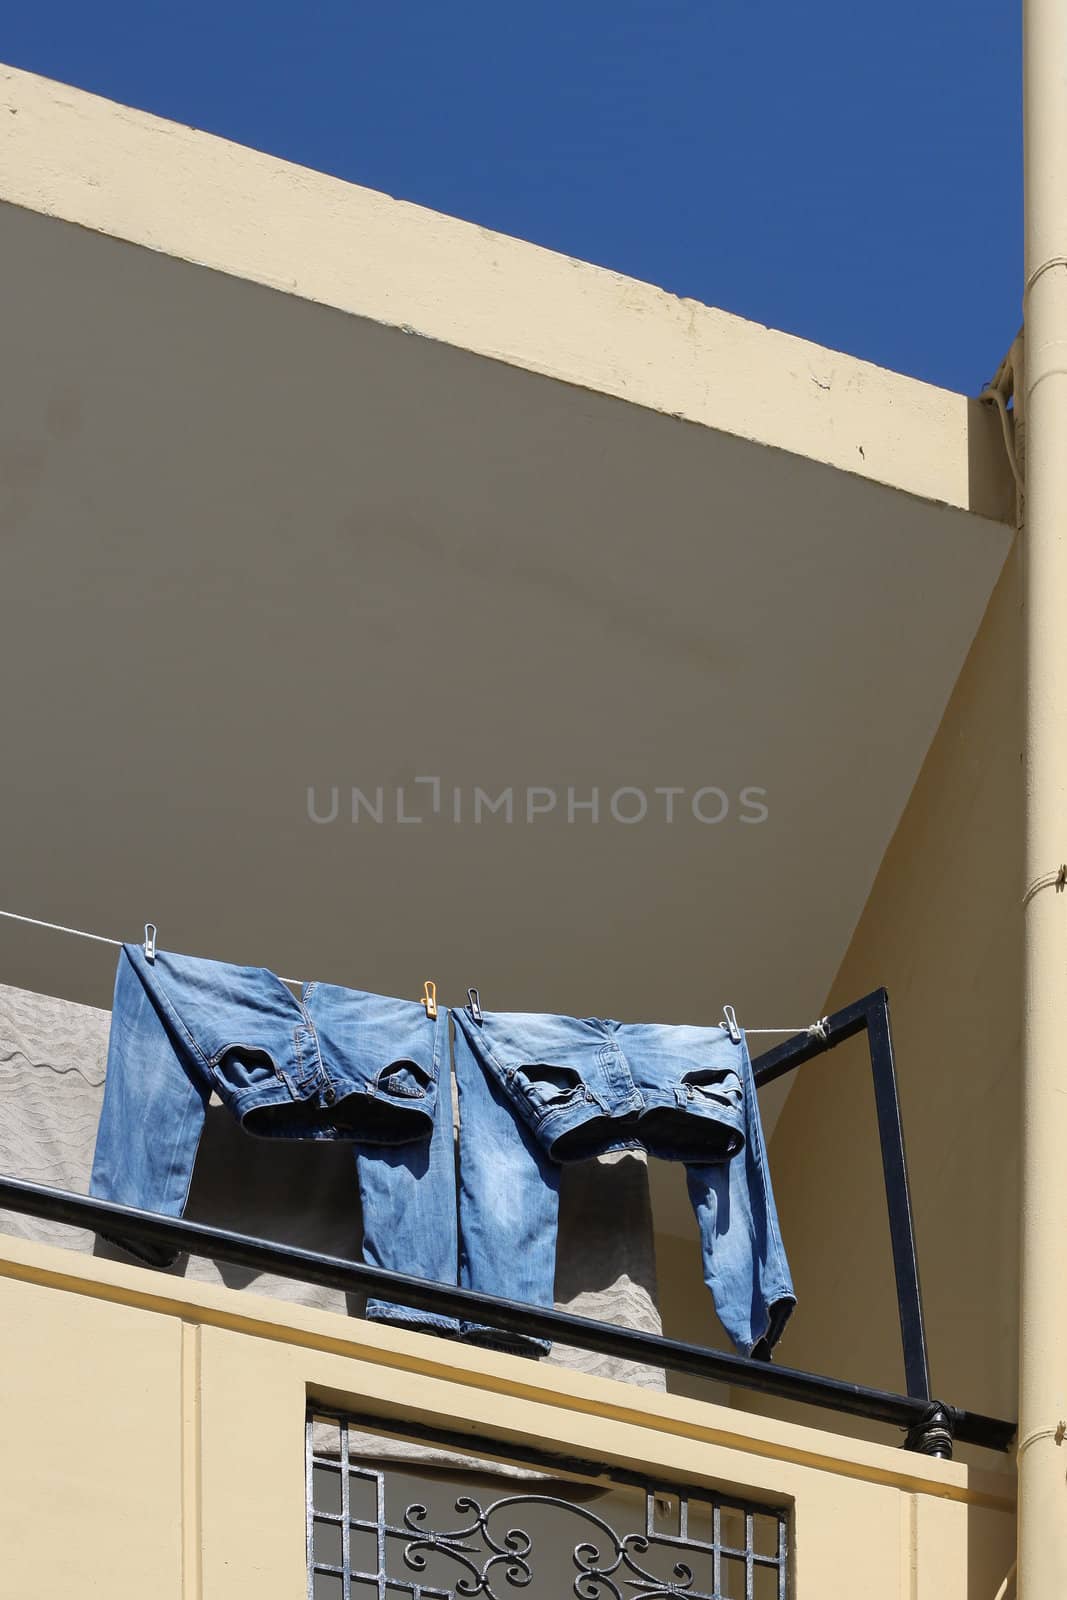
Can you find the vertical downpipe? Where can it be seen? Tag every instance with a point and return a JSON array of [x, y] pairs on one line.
[[1042, 1568]]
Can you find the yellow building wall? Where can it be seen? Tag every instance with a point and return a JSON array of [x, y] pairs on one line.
[[91, 1465], [942, 932], [154, 1445]]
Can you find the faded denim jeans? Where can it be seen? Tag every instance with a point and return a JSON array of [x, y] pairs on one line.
[[536, 1090], [334, 1064]]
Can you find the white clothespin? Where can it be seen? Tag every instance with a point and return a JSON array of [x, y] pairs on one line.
[[729, 1022], [150, 941], [474, 1003], [429, 999]]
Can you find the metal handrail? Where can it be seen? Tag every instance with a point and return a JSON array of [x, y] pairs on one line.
[[930, 1425]]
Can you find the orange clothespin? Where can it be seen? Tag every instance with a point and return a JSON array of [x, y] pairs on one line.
[[429, 999]]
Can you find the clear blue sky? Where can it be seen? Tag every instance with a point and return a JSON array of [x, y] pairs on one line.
[[845, 171]]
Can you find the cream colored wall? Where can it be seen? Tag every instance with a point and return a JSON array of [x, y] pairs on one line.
[[91, 1469], [942, 932], [154, 1445]]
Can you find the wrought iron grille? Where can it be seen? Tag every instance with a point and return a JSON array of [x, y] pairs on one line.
[[464, 1539]]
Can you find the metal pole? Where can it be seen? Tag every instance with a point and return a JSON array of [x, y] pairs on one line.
[[926, 1431], [1042, 1566], [871, 1014], [898, 1198]]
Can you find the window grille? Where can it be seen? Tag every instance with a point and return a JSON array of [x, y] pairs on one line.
[[376, 1528]]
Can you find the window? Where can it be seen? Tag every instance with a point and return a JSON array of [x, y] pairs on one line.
[[442, 1531]]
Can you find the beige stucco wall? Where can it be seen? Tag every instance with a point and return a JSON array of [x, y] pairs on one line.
[[154, 1433], [942, 932], [90, 1473]]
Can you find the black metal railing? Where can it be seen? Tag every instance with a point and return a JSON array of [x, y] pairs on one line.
[[871, 1016], [930, 1425]]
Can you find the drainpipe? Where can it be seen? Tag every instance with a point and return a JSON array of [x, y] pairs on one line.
[[1042, 1567]]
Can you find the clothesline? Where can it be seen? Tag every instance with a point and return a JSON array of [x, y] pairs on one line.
[[815, 1028], [83, 933]]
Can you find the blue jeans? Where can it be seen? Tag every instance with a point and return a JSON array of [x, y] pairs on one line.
[[536, 1089], [508, 1202], [335, 1064]]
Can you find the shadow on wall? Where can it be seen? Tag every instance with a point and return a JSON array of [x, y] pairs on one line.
[[942, 931]]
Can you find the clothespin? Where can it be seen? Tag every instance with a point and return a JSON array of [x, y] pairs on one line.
[[150, 941], [429, 999], [474, 1005], [729, 1022]]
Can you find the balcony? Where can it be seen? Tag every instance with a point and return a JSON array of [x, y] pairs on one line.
[[165, 1424]]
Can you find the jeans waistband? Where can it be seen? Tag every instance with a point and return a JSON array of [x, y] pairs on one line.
[[585, 1086]]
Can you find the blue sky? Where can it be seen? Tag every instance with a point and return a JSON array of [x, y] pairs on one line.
[[847, 172]]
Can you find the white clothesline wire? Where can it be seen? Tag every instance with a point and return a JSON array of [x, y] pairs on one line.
[[57, 927], [83, 933], [818, 1029]]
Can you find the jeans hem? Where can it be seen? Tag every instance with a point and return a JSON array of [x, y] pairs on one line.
[[778, 1314], [512, 1344], [160, 1257], [413, 1321]]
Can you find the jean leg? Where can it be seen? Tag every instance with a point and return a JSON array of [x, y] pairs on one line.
[[155, 1098], [508, 1203], [745, 1266], [408, 1193]]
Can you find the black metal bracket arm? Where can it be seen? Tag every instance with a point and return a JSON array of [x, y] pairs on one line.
[[871, 1016], [176, 1234]]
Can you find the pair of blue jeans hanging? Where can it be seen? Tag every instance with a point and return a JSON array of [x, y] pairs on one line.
[[536, 1090], [334, 1064]]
